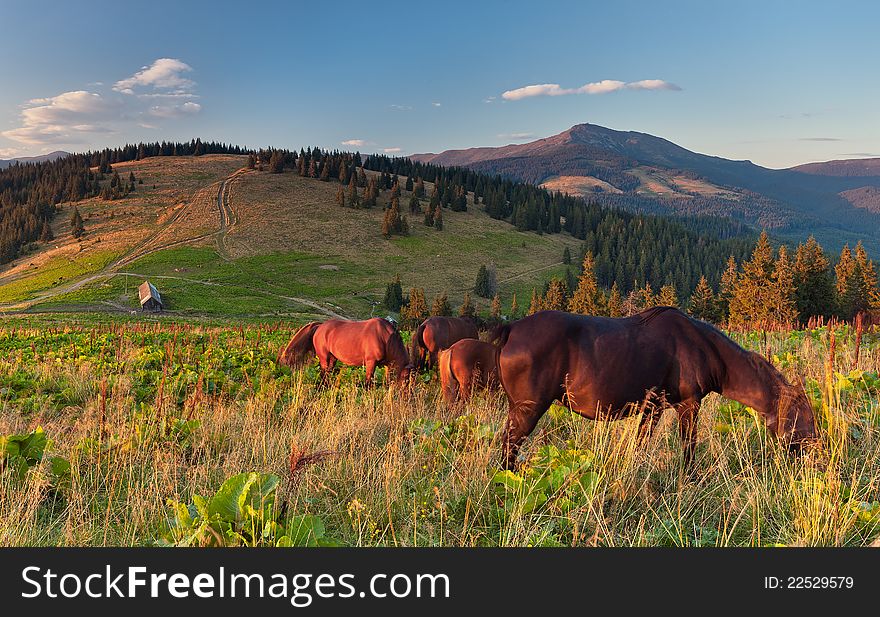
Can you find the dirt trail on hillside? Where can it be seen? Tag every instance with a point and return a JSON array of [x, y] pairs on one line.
[[154, 244]]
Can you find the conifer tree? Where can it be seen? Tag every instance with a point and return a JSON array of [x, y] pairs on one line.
[[353, 198], [438, 219], [393, 295], [495, 309], [441, 306], [587, 298], [615, 303], [729, 279], [646, 297], [556, 298], [485, 285], [667, 296], [514, 307], [340, 196], [813, 283], [703, 304], [847, 284], [76, 223], [409, 183], [415, 207], [536, 303], [46, 233], [467, 307], [419, 189], [429, 217], [566, 256], [785, 311], [755, 296], [415, 311], [869, 294]]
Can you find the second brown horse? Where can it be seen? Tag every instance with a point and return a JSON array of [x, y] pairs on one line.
[[371, 343], [609, 368], [436, 334], [468, 364]]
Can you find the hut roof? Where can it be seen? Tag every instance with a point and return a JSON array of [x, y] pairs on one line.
[[147, 291]]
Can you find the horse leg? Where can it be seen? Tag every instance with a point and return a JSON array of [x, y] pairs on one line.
[[687, 411], [521, 420], [328, 363], [370, 366], [648, 423]]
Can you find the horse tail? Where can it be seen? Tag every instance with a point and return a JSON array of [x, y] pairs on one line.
[[500, 335], [293, 354], [417, 346], [448, 383]]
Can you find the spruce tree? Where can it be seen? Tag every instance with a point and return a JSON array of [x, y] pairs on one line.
[[353, 198], [813, 283], [667, 296], [536, 303], [441, 306], [76, 223], [467, 307], [485, 285], [587, 298], [703, 304], [755, 295], [514, 307], [566, 256], [416, 309], [340, 196], [393, 295], [556, 298], [495, 309], [785, 310], [615, 303]]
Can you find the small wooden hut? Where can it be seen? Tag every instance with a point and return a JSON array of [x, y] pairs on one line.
[[150, 298]]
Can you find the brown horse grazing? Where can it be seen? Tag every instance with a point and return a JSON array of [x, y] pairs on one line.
[[371, 343], [610, 368], [436, 334], [468, 364]]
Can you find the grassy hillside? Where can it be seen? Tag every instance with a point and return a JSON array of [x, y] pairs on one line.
[[281, 247]]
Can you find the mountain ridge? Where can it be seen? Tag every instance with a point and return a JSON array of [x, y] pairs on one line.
[[51, 156], [643, 172]]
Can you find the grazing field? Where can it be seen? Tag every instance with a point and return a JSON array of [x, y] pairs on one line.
[[118, 432], [283, 248]]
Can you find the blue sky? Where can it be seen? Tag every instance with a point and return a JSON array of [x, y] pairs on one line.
[[779, 83]]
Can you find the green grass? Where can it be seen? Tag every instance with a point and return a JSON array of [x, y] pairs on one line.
[[55, 272], [189, 404]]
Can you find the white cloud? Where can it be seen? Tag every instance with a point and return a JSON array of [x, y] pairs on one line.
[[436, 104], [155, 92], [401, 107], [164, 73], [515, 135], [354, 142], [391, 150], [64, 118], [490, 99], [599, 87], [175, 111], [9, 153]]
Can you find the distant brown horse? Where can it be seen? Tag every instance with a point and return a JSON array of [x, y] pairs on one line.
[[436, 334], [371, 343], [609, 368], [468, 364]]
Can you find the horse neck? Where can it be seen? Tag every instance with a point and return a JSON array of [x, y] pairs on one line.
[[397, 357], [752, 381]]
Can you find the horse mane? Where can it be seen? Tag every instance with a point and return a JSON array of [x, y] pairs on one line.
[[416, 346], [648, 315]]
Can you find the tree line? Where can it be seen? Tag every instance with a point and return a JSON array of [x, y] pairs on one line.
[[31, 192]]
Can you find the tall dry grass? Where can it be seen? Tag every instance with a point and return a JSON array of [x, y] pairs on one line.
[[405, 470]]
